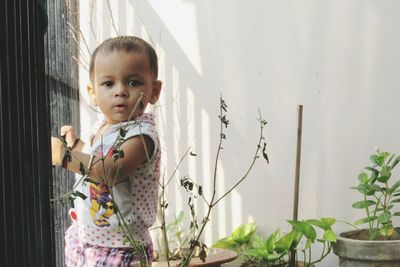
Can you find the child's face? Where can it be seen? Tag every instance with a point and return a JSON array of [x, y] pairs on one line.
[[119, 80]]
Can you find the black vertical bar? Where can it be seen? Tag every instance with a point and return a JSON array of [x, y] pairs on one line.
[[25, 133], [62, 80]]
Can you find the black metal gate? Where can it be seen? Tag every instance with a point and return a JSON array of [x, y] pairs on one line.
[[62, 81], [25, 218]]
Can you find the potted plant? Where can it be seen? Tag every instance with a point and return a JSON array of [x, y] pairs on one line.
[[279, 250], [189, 248], [379, 244]]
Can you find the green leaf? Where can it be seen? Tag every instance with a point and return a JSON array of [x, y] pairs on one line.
[[296, 240], [385, 217], [396, 213], [372, 169], [305, 228], [274, 257], [366, 189], [363, 204], [396, 200], [363, 178], [244, 232], [385, 174], [366, 220], [283, 245], [377, 159], [328, 221], [271, 240], [258, 242], [330, 236], [241, 235], [394, 187], [262, 254], [396, 161], [317, 223], [390, 159]]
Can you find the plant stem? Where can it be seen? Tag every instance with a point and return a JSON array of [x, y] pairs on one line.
[[163, 223], [185, 262], [370, 223], [251, 164], [324, 255]]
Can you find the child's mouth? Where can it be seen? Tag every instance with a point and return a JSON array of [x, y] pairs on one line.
[[120, 107]]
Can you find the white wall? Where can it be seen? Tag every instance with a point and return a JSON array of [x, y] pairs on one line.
[[338, 58]]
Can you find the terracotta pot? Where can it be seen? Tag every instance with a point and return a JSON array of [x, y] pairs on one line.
[[366, 253], [215, 257]]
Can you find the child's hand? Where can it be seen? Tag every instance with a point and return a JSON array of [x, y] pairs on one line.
[[69, 133], [57, 151]]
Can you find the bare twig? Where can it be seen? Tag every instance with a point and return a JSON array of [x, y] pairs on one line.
[[177, 166], [261, 138], [223, 123], [91, 20], [112, 17]]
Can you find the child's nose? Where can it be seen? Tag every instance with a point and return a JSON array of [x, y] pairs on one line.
[[121, 91]]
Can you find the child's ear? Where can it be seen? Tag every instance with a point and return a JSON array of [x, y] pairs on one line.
[[92, 95], [155, 93]]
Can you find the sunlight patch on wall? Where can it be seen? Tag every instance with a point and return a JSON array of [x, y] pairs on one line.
[[236, 208], [205, 159], [191, 131], [182, 26], [86, 45], [176, 133], [221, 205]]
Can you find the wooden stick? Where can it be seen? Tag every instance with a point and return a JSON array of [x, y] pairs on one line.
[[292, 259], [298, 157]]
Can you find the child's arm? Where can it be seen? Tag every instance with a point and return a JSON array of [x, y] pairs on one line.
[[134, 155]]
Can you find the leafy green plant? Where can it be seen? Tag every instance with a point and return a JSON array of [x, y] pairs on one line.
[[379, 197], [240, 240], [278, 249]]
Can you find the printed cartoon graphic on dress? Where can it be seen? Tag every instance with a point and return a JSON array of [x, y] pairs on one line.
[[101, 208]]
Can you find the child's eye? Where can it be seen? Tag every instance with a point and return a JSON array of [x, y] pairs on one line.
[[108, 84], [134, 83]]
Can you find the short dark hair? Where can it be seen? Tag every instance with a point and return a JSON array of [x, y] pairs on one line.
[[127, 43]]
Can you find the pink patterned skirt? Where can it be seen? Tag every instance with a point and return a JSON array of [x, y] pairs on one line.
[[78, 253]]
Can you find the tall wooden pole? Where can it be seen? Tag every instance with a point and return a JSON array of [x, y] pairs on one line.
[[298, 157], [297, 175]]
